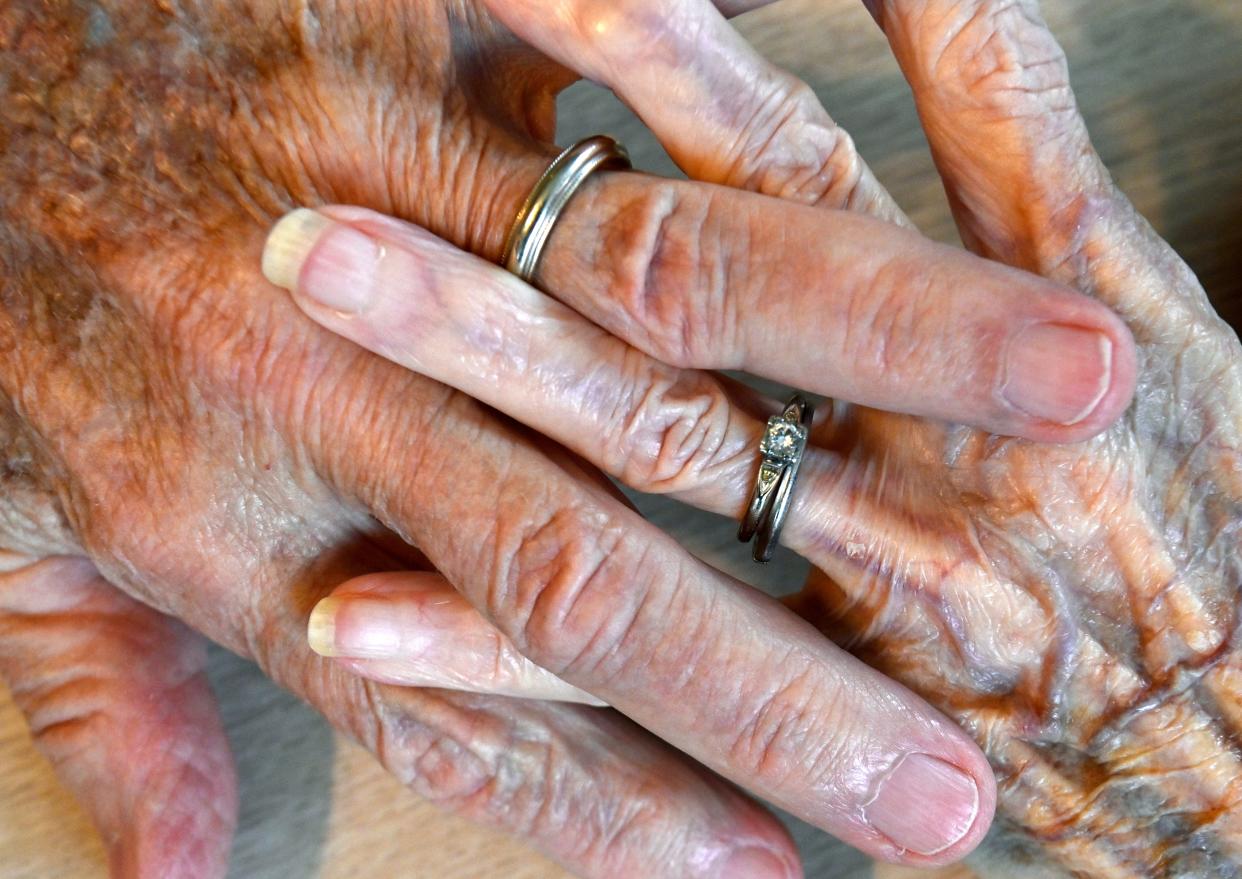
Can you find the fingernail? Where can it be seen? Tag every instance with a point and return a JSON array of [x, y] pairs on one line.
[[321, 628], [753, 863], [324, 261], [1058, 373], [924, 805], [358, 629]]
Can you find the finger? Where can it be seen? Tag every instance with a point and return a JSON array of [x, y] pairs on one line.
[[589, 789], [840, 304], [587, 589], [656, 427], [1027, 186], [414, 629], [724, 114], [117, 699]]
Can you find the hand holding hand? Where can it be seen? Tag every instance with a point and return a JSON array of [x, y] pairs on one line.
[[1056, 600]]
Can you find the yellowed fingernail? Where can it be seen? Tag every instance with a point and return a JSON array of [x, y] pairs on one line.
[[321, 629], [290, 240], [321, 261]]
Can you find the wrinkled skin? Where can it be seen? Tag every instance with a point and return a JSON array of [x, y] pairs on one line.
[[1075, 607], [111, 312], [157, 397]]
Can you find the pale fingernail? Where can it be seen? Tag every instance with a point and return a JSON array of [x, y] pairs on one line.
[[754, 863], [358, 629], [324, 261], [924, 805], [1058, 373]]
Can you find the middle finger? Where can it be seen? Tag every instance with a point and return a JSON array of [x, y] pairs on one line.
[[723, 112]]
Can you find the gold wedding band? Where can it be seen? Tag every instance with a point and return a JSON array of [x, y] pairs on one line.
[[542, 208]]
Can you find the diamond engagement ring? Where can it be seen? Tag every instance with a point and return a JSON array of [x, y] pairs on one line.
[[781, 449]]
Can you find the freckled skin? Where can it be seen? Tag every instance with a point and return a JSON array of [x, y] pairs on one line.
[[146, 154], [1073, 607], [170, 416]]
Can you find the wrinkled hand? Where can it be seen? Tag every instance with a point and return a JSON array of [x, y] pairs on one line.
[[173, 427], [1073, 606]]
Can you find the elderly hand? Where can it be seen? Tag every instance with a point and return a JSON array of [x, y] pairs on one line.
[[183, 451], [1071, 605]]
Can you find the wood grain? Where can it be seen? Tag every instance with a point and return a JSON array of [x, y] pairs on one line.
[[1161, 85]]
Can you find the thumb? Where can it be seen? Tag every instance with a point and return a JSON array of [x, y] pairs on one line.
[[116, 698]]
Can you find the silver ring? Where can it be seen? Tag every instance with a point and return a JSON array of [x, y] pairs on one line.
[[782, 447], [538, 215]]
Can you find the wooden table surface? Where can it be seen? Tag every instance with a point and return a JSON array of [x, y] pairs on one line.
[[1161, 85]]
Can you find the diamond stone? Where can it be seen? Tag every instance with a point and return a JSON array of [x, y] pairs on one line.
[[782, 439]]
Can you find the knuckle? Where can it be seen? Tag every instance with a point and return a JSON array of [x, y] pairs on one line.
[[790, 148], [668, 278], [997, 55], [671, 432], [62, 717], [835, 173], [448, 771], [523, 774], [784, 735], [567, 589], [441, 755], [441, 748], [889, 322]]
